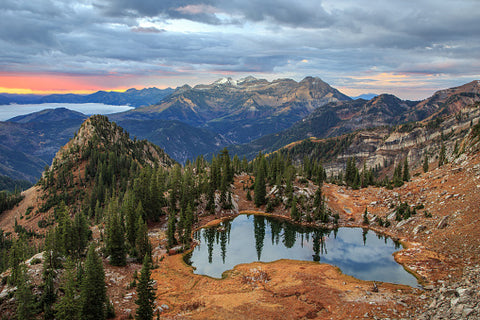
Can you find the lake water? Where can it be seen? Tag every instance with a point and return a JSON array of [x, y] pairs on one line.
[[12, 110], [248, 238]]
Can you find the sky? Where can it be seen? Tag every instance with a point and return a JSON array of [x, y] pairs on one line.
[[410, 48]]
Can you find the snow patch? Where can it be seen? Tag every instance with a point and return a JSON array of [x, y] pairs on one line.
[[226, 81]]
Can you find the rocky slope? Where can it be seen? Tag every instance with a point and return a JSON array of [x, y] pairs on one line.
[[384, 146]]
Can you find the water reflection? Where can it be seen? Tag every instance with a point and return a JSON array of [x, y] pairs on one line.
[[356, 251]]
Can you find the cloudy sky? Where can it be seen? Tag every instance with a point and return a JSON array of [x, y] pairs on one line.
[[406, 47]]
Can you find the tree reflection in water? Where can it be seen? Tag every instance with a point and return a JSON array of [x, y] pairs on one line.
[[355, 251]]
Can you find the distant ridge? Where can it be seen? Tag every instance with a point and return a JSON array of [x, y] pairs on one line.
[[45, 115], [365, 96], [133, 97]]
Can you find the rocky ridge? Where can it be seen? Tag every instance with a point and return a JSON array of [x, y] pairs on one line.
[[343, 117], [383, 147]]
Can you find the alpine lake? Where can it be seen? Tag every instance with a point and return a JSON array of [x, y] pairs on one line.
[[358, 252]]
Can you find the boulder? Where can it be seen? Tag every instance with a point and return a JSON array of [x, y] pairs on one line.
[[404, 222], [419, 228], [443, 223]]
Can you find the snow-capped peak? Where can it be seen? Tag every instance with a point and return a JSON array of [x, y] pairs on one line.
[[226, 81]]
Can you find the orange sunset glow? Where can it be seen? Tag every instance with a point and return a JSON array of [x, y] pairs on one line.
[[18, 83]]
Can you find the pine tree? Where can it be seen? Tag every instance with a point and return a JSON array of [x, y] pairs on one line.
[[131, 215], [187, 226], [49, 295], [143, 246], [294, 213], [260, 187], [318, 203], [365, 217], [425, 163], [145, 293], [155, 199], [115, 242], [397, 176], [64, 230], [15, 258], [211, 195], [356, 180], [81, 230], [226, 166], [351, 173], [24, 297], [93, 294], [67, 306], [442, 157], [406, 172], [318, 198], [180, 225], [51, 254], [172, 220], [289, 190]]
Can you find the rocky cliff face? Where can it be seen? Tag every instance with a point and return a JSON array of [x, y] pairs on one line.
[[381, 147]]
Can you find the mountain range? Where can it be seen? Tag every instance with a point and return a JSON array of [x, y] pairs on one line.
[[248, 116], [241, 110], [132, 97]]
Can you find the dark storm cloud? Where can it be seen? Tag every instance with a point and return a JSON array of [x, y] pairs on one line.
[[309, 13], [154, 8]]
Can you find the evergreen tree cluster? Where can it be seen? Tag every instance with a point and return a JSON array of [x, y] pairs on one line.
[[12, 185], [356, 179], [404, 211], [322, 150], [81, 295], [196, 183], [9, 200], [145, 293], [278, 172]]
